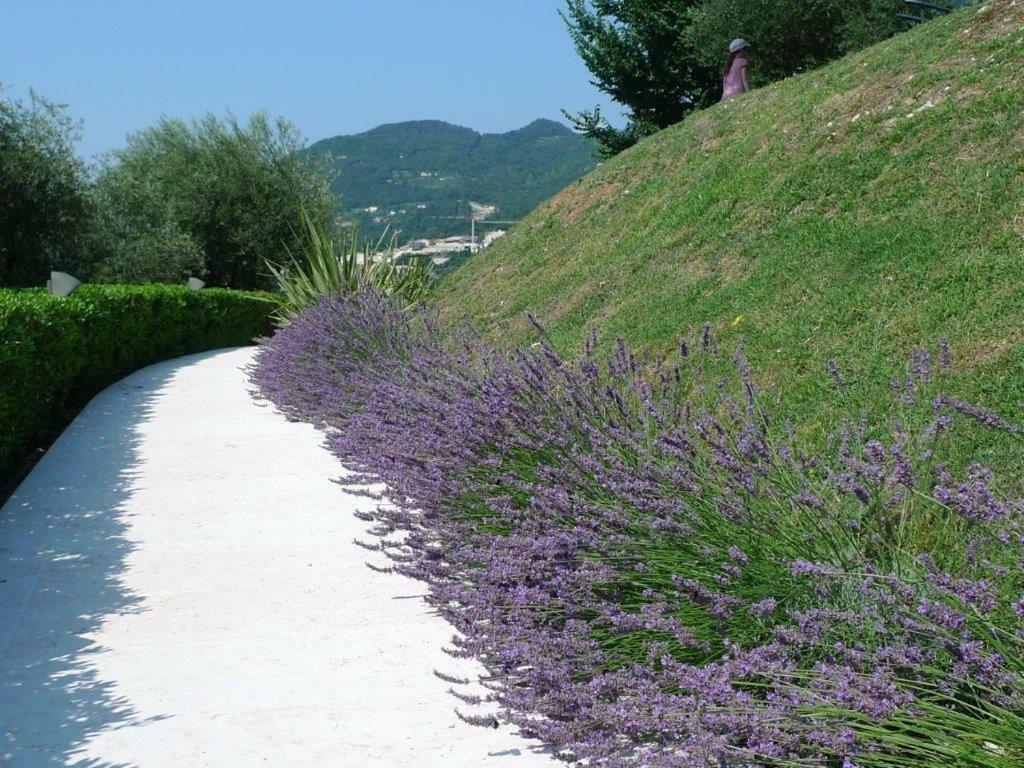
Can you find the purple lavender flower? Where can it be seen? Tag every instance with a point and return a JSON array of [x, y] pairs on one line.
[[945, 356], [835, 375], [601, 536], [764, 607], [983, 416]]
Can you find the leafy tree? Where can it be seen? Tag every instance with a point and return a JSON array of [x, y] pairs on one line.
[[789, 36], [44, 200], [136, 237], [641, 56], [232, 193], [663, 58]]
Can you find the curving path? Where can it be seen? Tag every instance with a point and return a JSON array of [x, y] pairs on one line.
[[179, 587]]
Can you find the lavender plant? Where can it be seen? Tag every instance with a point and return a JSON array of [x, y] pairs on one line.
[[652, 573]]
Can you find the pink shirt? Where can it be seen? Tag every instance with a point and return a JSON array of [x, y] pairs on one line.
[[733, 82]]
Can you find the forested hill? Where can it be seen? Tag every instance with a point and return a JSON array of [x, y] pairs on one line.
[[426, 172]]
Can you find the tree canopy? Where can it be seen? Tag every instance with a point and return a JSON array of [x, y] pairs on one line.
[[44, 191], [660, 59], [230, 193], [641, 56]]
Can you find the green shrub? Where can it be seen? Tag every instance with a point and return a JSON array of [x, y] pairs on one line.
[[55, 354]]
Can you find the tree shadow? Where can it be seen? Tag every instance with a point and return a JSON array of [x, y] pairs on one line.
[[63, 550]]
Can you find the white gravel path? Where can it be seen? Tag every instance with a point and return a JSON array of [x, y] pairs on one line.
[[179, 587]]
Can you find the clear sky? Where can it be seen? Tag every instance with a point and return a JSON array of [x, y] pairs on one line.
[[329, 67]]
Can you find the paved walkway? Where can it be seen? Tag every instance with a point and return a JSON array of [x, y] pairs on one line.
[[178, 588]]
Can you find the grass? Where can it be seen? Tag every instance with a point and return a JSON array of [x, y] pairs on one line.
[[851, 213]]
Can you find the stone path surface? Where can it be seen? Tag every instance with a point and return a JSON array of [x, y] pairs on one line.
[[179, 587]]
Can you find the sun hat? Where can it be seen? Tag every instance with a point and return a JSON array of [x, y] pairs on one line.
[[738, 45]]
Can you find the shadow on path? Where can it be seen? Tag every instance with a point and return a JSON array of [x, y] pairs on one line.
[[63, 551]]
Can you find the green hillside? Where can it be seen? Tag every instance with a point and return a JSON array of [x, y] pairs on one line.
[[850, 213], [421, 175]]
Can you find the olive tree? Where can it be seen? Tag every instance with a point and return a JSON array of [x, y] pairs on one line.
[[45, 206], [227, 197]]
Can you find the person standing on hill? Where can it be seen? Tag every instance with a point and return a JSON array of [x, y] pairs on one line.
[[734, 77]]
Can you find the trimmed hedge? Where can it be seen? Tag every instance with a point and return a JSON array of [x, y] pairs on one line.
[[56, 354]]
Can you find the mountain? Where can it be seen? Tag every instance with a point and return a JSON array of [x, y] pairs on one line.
[[850, 212], [419, 177]]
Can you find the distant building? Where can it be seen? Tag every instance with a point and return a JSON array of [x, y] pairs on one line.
[[490, 237], [481, 211]]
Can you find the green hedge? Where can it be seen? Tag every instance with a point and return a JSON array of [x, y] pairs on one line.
[[55, 354]]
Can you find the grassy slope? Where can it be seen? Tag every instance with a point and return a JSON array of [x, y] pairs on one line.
[[850, 212]]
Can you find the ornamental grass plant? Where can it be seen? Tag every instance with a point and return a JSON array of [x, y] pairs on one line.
[[655, 574], [327, 265]]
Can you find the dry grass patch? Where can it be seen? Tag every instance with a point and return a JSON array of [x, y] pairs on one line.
[[575, 202], [985, 351]]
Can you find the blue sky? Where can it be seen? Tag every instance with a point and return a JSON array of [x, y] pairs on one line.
[[330, 67]]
